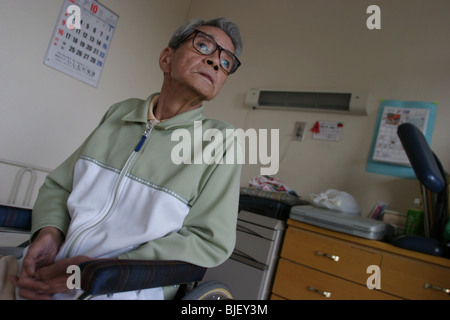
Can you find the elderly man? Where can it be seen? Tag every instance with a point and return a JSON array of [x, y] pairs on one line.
[[120, 195]]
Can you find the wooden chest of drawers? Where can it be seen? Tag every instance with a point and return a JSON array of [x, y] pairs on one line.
[[321, 264]]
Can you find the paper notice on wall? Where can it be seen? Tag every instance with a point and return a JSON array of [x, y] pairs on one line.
[[388, 147], [327, 130], [387, 155]]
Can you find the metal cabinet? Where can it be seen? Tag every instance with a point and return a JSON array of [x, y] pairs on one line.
[[250, 270]]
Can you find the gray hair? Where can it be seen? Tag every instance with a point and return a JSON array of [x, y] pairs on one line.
[[230, 28]]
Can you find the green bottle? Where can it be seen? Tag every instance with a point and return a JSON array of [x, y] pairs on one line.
[[414, 220], [447, 231]]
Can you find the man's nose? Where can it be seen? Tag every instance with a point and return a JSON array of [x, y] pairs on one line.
[[213, 63]]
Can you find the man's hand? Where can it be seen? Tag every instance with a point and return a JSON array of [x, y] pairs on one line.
[[41, 253], [55, 275], [48, 280], [42, 250]]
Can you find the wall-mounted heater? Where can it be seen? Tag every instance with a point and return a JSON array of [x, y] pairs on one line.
[[343, 102]]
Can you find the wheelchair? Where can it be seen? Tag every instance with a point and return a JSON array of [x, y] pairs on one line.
[[109, 276]]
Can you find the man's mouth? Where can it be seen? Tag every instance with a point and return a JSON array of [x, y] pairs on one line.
[[207, 76]]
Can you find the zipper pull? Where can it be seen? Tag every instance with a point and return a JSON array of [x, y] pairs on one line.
[[148, 128]]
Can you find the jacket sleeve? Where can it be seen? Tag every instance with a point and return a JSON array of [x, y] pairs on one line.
[[50, 208], [208, 235]]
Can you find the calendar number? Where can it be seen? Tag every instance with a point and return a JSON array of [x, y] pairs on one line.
[[94, 8]]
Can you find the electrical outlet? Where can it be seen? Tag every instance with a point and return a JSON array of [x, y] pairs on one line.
[[299, 131]]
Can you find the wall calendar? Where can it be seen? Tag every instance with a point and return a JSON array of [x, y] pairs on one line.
[[81, 40]]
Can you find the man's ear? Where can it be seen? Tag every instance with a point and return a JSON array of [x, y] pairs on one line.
[[165, 59]]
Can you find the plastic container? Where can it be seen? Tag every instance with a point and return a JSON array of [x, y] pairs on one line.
[[414, 220]]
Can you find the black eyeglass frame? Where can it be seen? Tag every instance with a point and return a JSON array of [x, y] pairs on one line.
[[236, 63]]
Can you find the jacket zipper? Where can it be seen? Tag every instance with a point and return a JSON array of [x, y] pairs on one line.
[[125, 170]]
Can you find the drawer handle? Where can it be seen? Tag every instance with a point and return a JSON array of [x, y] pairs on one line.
[[332, 257], [324, 293], [430, 286]]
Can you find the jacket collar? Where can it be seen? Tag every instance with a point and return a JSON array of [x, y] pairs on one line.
[[181, 120]]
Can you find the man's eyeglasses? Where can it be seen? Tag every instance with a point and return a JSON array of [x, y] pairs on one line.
[[205, 44]]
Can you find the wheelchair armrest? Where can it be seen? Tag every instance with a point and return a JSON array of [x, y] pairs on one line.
[[108, 276], [15, 217]]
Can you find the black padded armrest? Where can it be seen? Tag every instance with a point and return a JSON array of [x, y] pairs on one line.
[[111, 275], [12, 216]]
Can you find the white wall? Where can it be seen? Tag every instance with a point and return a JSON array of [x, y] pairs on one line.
[[325, 45], [289, 44]]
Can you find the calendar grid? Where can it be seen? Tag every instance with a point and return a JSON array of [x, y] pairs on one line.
[[81, 53]]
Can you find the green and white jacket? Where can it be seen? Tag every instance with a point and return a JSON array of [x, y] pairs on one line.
[[120, 194]]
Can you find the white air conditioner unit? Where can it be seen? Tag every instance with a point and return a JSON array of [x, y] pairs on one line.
[[354, 102]]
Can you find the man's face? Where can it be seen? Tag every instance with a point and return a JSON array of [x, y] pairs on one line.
[[199, 74]]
